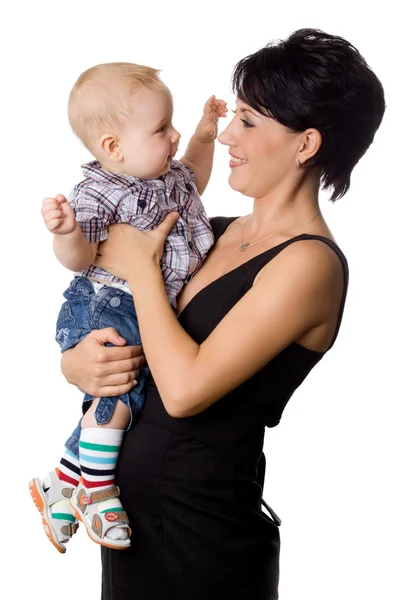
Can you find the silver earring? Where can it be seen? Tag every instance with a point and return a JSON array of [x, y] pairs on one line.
[[299, 164]]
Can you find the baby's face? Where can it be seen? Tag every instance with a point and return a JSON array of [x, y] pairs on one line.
[[149, 140]]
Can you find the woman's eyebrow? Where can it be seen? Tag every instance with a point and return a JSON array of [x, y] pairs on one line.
[[251, 112]]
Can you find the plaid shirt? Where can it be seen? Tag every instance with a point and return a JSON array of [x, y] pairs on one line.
[[103, 198]]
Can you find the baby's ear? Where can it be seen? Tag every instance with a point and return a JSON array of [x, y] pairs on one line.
[[110, 145]]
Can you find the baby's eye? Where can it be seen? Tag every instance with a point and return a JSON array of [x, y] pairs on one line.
[[162, 129]]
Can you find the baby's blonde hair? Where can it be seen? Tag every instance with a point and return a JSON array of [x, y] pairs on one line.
[[98, 100]]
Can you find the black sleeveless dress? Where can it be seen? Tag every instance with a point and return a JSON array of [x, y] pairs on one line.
[[193, 487]]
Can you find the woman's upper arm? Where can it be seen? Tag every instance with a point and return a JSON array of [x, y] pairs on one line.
[[296, 292]]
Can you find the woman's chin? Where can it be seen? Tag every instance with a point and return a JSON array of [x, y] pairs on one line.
[[233, 182], [237, 185]]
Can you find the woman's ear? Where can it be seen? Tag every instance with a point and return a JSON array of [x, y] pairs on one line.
[[311, 143]]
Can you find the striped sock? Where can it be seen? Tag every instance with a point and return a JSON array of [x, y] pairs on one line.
[[69, 469], [98, 453]]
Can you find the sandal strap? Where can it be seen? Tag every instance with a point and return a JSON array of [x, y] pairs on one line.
[[69, 530], [102, 522], [85, 498], [99, 515]]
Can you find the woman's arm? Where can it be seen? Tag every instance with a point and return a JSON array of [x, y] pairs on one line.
[[294, 294]]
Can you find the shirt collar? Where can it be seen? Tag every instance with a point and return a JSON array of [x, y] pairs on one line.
[[172, 177]]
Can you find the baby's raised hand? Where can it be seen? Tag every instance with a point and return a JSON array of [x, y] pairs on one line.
[[207, 129], [58, 215]]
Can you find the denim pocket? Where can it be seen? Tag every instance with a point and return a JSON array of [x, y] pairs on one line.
[[67, 333]]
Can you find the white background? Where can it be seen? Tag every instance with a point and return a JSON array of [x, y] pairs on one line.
[[332, 464]]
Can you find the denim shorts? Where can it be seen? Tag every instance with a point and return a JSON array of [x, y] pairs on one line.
[[85, 310]]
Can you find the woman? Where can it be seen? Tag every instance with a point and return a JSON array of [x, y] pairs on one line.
[[258, 316]]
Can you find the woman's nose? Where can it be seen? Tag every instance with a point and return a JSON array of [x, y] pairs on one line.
[[226, 137]]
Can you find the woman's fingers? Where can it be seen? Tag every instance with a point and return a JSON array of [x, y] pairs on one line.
[[165, 226], [113, 390], [121, 367], [119, 379], [107, 335], [112, 357]]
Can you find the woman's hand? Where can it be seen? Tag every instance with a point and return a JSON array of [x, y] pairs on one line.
[[129, 251], [101, 370]]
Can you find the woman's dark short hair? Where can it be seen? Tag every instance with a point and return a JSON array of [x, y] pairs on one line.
[[316, 80]]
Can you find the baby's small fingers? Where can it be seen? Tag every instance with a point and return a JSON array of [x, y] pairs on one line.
[[49, 215], [54, 224], [210, 104], [221, 106], [210, 100], [49, 204]]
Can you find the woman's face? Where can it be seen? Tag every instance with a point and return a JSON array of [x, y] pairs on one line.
[[263, 152]]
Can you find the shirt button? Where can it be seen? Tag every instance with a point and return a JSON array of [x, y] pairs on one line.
[[142, 203], [114, 302]]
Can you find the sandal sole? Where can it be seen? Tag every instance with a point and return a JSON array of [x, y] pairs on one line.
[[40, 504]]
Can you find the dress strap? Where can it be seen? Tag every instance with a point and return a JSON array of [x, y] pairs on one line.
[[220, 224]]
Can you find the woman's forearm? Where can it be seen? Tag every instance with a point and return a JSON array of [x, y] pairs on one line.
[[171, 353]]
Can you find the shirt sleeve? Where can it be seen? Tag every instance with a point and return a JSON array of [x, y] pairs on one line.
[[95, 210], [186, 172]]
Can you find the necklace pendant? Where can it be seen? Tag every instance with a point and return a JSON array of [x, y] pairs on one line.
[[243, 247]]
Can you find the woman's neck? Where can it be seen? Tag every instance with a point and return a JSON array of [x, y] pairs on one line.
[[279, 209]]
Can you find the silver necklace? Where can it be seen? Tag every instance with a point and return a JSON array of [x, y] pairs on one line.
[[244, 245]]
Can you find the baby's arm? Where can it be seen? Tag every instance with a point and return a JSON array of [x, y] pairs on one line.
[[70, 245], [200, 151]]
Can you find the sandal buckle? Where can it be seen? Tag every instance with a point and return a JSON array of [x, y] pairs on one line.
[[85, 500]]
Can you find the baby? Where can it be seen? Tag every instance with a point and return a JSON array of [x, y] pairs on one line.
[[122, 112]]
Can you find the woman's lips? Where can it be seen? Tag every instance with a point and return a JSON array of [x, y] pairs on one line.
[[236, 161]]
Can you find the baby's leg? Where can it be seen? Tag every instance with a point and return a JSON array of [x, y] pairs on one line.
[[99, 448], [119, 418]]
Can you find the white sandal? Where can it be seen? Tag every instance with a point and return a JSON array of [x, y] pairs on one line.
[[93, 509], [58, 530]]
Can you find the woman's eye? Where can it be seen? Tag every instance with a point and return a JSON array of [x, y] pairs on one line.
[[245, 123]]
